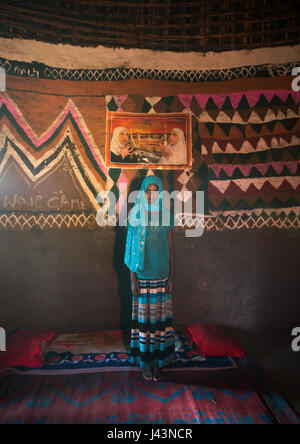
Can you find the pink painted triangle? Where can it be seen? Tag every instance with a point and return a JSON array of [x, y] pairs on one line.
[[185, 99], [120, 100]]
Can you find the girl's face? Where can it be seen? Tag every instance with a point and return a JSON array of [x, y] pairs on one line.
[[173, 138], [152, 193], [123, 137]]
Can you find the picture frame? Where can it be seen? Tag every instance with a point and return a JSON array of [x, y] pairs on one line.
[[156, 141]]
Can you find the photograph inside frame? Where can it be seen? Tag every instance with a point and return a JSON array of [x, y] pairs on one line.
[[161, 141]]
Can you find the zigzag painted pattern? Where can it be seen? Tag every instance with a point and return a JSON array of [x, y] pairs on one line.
[[40, 70], [67, 135], [286, 219], [246, 150]]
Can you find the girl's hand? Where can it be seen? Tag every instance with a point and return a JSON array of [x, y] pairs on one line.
[[170, 285], [135, 287], [127, 150], [166, 152]]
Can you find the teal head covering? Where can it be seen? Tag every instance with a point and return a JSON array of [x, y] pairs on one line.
[[137, 224]]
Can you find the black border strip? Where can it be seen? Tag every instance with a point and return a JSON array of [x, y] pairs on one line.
[[43, 71]]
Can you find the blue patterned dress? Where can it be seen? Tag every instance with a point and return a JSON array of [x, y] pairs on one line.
[[152, 333]]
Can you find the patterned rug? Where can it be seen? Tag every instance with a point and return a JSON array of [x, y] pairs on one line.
[[126, 398]]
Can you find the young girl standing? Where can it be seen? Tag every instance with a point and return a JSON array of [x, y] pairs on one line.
[[149, 255]]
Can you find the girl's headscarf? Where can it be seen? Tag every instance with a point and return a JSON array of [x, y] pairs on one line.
[[179, 154], [115, 145], [137, 224], [180, 134]]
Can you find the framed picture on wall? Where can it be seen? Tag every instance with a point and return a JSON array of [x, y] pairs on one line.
[[156, 141]]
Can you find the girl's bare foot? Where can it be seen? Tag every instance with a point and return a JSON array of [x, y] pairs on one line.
[[157, 374], [147, 373]]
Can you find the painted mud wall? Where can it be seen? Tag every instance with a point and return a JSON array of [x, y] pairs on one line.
[[60, 270]]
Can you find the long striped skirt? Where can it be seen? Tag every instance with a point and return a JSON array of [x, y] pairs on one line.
[[152, 334]]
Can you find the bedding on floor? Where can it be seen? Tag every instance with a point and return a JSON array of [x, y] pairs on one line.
[[87, 378]]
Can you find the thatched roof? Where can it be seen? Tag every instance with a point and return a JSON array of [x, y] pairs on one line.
[[205, 25]]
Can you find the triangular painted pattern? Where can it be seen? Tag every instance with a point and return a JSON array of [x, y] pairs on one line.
[[250, 142]]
